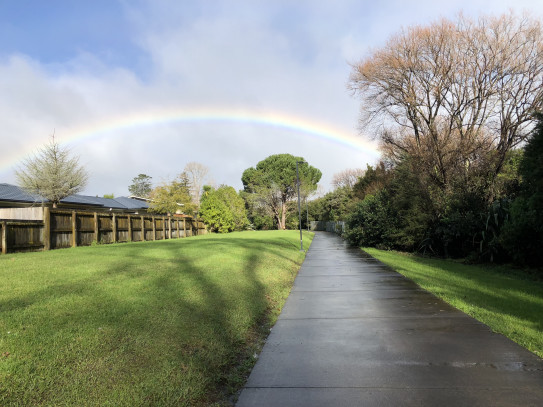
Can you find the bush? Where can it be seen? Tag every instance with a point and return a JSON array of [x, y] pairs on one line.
[[522, 235], [371, 223], [223, 210]]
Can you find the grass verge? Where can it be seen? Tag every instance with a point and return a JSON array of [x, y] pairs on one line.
[[508, 304], [163, 323]]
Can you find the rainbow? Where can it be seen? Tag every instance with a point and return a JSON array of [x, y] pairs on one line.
[[280, 120]]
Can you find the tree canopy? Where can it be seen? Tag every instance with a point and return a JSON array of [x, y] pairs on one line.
[[141, 186], [455, 96], [173, 197], [52, 173], [222, 209], [272, 183]]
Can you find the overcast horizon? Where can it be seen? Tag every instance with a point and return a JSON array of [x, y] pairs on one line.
[[147, 86]]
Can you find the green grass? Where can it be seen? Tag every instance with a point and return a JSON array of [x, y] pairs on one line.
[[161, 323], [506, 302]]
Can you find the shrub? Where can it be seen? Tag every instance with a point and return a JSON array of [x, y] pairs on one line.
[[371, 223]]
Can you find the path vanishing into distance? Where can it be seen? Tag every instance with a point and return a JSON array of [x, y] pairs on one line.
[[355, 333]]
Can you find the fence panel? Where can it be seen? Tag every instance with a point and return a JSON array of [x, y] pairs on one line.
[[122, 229], [24, 237]]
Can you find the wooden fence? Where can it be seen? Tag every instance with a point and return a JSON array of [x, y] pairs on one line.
[[61, 228]]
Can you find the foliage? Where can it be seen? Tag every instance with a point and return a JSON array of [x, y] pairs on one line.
[[109, 196], [507, 183], [52, 174], [222, 209], [407, 210], [490, 246], [509, 303], [373, 180], [522, 235], [257, 214], [165, 323], [272, 184], [371, 223], [173, 197], [333, 206], [141, 186], [411, 205]]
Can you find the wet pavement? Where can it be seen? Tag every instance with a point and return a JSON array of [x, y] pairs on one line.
[[355, 333]]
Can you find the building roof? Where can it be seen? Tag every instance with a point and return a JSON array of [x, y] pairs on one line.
[[12, 193]]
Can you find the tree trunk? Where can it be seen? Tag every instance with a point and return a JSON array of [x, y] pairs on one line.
[[283, 216], [277, 217]]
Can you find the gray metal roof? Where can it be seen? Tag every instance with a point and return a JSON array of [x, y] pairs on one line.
[[12, 193], [131, 203]]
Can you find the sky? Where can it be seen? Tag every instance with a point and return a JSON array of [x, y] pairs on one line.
[[146, 86]]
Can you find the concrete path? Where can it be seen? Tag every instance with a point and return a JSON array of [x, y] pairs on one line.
[[354, 333]]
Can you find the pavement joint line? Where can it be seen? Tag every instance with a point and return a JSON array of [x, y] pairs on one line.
[[366, 318], [516, 388], [354, 273], [354, 291]]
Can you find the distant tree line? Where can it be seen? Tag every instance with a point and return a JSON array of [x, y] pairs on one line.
[[267, 200]]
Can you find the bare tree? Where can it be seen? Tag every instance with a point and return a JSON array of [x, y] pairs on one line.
[[197, 175], [347, 178], [456, 96], [52, 174]]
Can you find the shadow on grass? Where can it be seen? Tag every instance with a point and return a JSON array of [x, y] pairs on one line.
[[159, 327]]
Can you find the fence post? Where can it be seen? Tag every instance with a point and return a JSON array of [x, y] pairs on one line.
[[74, 229], [177, 227], [153, 221], [184, 227], [96, 231], [142, 229], [114, 227], [4, 227], [129, 239], [164, 228], [46, 228]]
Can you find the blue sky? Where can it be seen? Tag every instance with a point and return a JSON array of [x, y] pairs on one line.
[[67, 66]]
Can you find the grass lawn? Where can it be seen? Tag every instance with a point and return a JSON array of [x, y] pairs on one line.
[[166, 323], [507, 303]]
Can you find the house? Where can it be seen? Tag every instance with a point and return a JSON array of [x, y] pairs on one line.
[[15, 203]]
